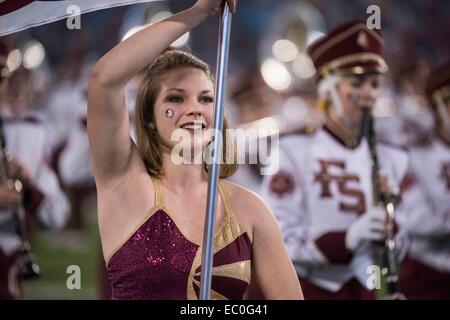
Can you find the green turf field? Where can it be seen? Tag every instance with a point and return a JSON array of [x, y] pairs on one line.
[[54, 252]]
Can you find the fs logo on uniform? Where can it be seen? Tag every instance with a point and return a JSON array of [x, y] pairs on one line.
[[343, 181], [17, 15]]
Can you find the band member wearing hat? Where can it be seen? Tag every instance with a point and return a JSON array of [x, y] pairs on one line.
[[426, 269], [40, 197], [151, 209], [322, 193]]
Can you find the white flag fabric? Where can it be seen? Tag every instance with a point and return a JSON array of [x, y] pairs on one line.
[[17, 15]]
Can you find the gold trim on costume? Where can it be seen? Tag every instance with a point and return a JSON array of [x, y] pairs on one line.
[[159, 193], [241, 268], [159, 204], [214, 294], [230, 230]]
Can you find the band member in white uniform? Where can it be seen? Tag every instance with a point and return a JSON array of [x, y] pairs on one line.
[[322, 194], [426, 269], [41, 198]]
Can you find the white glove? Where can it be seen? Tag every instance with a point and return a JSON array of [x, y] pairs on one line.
[[370, 226]]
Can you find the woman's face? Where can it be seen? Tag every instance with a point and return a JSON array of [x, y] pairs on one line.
[[357, 93], [184, 108]]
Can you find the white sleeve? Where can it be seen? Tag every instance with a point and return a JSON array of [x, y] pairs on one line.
[[283, 192], [53, 212], [74, 162]]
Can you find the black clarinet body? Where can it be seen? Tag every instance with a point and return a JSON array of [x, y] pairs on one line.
[[387, 201]]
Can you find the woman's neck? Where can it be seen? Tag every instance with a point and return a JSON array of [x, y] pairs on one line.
[[346, 131], [182, 176]]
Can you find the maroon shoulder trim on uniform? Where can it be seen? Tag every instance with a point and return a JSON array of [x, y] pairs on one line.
[[407, 182], [332, 245], [341, 141]]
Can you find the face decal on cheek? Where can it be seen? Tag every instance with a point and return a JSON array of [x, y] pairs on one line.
[[169, 113]]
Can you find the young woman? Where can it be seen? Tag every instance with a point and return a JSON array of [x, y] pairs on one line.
[[152, 210]]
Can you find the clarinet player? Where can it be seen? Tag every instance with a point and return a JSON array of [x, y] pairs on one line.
[[322, 194]]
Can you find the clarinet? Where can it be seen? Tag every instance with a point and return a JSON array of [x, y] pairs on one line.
[[29, 269], [381, 198]]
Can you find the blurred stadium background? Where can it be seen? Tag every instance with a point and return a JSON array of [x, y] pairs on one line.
[[267, 60]]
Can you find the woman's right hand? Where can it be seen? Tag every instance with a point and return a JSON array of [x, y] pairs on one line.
[[211, 7]]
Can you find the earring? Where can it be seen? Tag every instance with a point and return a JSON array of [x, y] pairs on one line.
[[151, 126]]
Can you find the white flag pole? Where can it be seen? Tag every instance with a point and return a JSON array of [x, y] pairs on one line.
[[214, 169]]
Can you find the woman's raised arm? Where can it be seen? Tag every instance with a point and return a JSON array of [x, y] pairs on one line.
[[108, 122]]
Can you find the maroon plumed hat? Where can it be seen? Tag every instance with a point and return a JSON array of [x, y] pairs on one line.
[[351, 48]]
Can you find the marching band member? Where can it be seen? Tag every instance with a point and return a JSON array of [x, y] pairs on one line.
[[426, 269], [322, 194], [41, 197]]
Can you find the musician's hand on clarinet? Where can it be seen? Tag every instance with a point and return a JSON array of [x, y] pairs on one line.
[[371, 226], [211, 7], [9, 197]]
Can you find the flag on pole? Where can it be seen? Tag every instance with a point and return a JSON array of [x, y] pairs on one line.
[[17, 15]]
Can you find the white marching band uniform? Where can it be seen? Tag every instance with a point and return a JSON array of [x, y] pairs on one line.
[[429, 230], [320, 189], [53, 210], [26, 141]]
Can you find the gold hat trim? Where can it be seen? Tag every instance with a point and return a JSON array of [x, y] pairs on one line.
[[357, 57]]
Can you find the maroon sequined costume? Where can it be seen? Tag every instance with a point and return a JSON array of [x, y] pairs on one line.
[[159, 262]]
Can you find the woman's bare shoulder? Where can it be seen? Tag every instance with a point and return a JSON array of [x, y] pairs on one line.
[[134, 169], [246, 201]]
